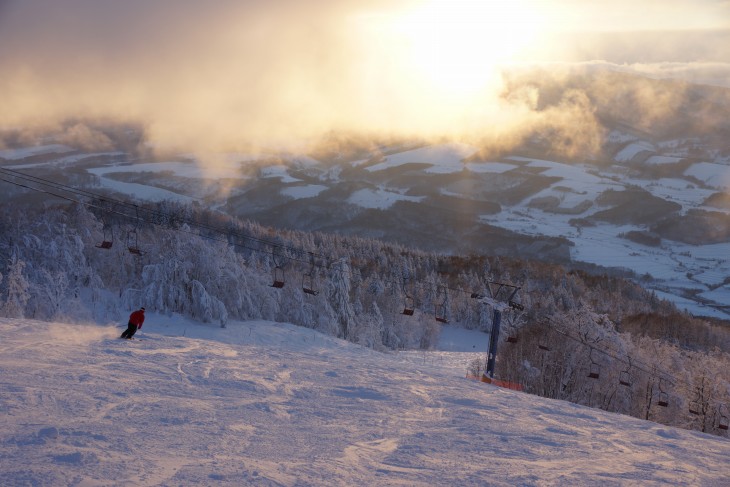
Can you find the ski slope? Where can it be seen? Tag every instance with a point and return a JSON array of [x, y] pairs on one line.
[[262, 403]]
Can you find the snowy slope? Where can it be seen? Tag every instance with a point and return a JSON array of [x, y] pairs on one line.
[[262, 403]]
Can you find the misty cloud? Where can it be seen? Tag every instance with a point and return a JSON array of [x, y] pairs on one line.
[[86, 138], [235, 75]]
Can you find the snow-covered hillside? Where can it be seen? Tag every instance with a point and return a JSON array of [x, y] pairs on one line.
[[261, 403], [653, 211]]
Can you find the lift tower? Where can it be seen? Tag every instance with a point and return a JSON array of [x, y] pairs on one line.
[[501, 298]]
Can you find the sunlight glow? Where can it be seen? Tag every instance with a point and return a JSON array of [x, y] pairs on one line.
[[457, 45]]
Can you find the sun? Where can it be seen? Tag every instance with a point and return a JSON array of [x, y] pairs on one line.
[[457, 46]]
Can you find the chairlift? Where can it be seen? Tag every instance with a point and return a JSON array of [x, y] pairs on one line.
[[441, 313], [410, 306], [511, 335], [278, 282], [624, 378], [476, 295], [723, 421], [440, 309], [308, 279], [133, 243], [308, 285], [594, 370], [278, 278], [409, 302], [663, 397], [133, 237], [108, 238], [695, 407]]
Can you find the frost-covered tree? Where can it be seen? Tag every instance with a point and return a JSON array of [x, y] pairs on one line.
[[205, 307], [369, 329], [51, 292], [17, 289], [338, 294]]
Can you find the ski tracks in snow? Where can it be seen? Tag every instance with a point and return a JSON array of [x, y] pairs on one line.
[[287, 407]]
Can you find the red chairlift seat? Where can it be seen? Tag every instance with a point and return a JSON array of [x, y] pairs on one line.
[[308, 282], [409, 307], [133, 243], [595, 371], [308, 279], [107, 239], [694, 408], [511, 334], [278, 278], [278, 282], [624, 378], [723, 421], [440, 314]]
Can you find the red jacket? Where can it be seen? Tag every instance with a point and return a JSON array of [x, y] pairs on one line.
[[137, 318]]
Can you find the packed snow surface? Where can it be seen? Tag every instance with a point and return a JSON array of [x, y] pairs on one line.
[[261, 403]]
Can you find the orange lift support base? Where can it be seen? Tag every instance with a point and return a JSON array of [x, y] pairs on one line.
[[497, 382]]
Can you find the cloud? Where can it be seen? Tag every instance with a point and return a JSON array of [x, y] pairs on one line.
[[241, 75], [86, 138]]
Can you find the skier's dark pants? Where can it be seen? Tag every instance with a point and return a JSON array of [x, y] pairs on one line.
[[130, 331]]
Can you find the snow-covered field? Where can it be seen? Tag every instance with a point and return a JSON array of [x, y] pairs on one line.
[[22, 153], [378, 198], [262, 403]]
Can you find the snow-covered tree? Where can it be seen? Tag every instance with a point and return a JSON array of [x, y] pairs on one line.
[[17, 289], [338, 294]]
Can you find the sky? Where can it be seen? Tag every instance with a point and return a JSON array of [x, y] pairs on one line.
[[226, 74]]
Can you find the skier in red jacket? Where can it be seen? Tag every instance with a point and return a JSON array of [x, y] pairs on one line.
[[135, 322]]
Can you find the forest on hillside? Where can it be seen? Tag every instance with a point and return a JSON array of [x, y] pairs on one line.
[[592, 339]]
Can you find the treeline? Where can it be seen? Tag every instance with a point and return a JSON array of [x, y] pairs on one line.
[[213, 268]]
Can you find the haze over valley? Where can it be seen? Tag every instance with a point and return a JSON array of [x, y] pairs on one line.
[[642, 200]]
